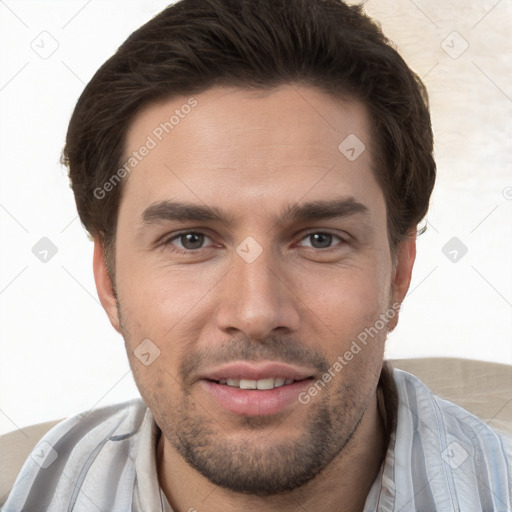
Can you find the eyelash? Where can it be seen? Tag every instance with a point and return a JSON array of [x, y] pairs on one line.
[[168, 245]]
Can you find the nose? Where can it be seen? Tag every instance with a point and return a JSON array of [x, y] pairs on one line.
[[256, 298]]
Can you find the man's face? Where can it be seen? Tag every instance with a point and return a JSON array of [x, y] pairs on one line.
[[273, 288]]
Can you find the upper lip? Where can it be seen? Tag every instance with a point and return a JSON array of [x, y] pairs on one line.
[[257, 370]]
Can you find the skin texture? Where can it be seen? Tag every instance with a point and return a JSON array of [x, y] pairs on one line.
[[253, 154]]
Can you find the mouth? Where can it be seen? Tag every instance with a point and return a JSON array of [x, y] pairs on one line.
[[260, 384], [256, 389]]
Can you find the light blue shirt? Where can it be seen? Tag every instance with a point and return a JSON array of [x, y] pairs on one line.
[[440, 458]]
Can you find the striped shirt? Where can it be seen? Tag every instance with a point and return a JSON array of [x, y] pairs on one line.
[[440, 458]]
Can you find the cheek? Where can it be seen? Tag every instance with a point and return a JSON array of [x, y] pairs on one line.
[[157, 298], [351, 299], [157, 385], [352, 308]]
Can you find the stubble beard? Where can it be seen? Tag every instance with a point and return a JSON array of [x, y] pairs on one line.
[[254, 465]]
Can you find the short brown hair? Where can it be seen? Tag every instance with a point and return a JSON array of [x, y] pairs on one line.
[[257, 44]]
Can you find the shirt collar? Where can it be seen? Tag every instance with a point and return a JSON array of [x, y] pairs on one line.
[[147, 494]]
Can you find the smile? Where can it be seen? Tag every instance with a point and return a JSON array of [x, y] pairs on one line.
[[261, 384]]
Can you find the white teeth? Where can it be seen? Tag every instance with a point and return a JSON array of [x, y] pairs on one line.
[[247, 384], [263, 384]]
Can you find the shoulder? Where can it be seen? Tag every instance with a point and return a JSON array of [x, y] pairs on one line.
[[122, 417], [66, 454], [480, 387], [424, 411], [462, 454], [416, 398]]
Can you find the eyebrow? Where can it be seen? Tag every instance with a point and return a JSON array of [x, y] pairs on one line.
[[314, 210], [323, 209]]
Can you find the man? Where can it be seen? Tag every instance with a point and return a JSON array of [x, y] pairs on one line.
[[253, 173]]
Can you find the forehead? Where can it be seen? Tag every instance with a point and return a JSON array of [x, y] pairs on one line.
[[249, 148]]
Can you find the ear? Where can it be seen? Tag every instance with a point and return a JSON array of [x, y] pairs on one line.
[[104, 284], [402, 272]]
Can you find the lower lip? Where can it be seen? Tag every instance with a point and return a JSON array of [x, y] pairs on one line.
[[251, 402]]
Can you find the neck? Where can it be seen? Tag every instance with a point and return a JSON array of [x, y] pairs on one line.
[[341, 487]]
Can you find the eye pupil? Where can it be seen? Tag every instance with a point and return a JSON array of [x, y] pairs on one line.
[[192, 240], [321, 240]]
